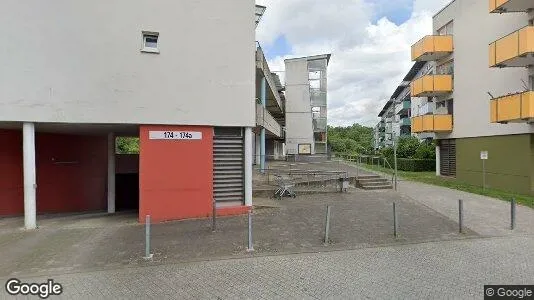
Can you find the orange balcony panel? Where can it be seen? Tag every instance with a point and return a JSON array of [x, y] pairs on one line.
[[432, 123], [431, 86], [432, 47], [504, 6], [417, 124], [513, 108], [442, 123], [513, 50]]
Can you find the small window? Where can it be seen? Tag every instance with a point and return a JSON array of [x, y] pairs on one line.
[[150, 42]]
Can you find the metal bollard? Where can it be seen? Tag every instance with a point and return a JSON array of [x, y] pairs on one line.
[[512, 212], [214, 217], [461, 216], [250, 245], [395, 223], [148, 255], [327, 226]]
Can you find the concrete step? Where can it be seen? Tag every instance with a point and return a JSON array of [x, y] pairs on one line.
[[370, 176], [377, 187], [373, 180]]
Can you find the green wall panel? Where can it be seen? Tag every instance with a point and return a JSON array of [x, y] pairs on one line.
[[508, 167]]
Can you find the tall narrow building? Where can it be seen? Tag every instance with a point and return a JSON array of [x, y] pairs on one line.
[[306, 105]]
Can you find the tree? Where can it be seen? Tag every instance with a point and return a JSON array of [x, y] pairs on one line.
[[351, 139], [127, 145]]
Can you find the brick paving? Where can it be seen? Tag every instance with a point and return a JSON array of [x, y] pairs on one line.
[[438, 270], [359, 219]]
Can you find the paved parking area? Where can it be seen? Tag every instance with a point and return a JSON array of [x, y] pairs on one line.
[[438, 270], [359, 219]]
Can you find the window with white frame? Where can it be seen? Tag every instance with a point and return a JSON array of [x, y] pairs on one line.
[[150, 42], [448, 29]]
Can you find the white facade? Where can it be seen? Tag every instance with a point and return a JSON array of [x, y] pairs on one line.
[[474, 30], [306, 104], [81, 62]]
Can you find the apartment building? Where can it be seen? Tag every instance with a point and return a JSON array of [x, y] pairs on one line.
[[75, 76], [395, 116], [480, 106], [270, 113], [306, 105]]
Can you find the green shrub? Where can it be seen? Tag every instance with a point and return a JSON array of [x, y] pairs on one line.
[[416, 165]]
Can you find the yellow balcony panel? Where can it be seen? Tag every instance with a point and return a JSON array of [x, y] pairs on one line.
[[513, 50], [432, 123], [432, 47], [442, 123], [504, 6], [417, 124], [431, 86], [515, 108]]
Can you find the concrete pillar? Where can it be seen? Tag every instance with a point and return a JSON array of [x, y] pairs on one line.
[[258, 146], [30, 181], [438, 171], [248, 166], [263, 97], [275, 150], [111, 173]]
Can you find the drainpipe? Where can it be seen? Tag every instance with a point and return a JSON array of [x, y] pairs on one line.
[[263, 96]]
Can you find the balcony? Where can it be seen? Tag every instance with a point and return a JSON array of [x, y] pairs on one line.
[[513, 108], [513, 50], [265, 119], [405, 122], [504, 6], [432, 123], [431, 86], [402, 107], [432, 47]]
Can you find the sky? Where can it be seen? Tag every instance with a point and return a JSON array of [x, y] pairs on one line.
[[369, 41]]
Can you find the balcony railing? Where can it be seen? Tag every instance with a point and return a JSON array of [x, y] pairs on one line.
[[405, 122], [265, 119], [403, 106], [513, 50], [432, 123], [513, 108], [504, 6], [431, 85], [432, 47]]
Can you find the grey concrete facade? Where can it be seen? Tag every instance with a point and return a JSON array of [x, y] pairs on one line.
[[82, 62], [306, 104]]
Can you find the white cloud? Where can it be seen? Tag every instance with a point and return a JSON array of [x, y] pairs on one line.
[[368, 59]]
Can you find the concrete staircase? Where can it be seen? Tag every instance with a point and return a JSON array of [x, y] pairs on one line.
[[373, 182]]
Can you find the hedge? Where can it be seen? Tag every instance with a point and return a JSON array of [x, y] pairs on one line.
[[416, 165]]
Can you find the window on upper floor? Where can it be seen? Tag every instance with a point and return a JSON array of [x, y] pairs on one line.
[[446, 68], [150, 42], [448, 29]]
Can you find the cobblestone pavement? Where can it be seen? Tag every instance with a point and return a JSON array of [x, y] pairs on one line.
[[438, 270], [485, 215], [90, 242]]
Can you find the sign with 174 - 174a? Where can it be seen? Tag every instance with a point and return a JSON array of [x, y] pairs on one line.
[[175, 135]]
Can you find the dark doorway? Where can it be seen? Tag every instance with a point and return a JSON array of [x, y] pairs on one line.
[[127, 191]]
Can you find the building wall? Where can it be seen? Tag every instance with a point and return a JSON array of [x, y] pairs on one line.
[[71, 173], [299, 128], [175, 176], [509, 165], [474, 29], [80, 62]]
